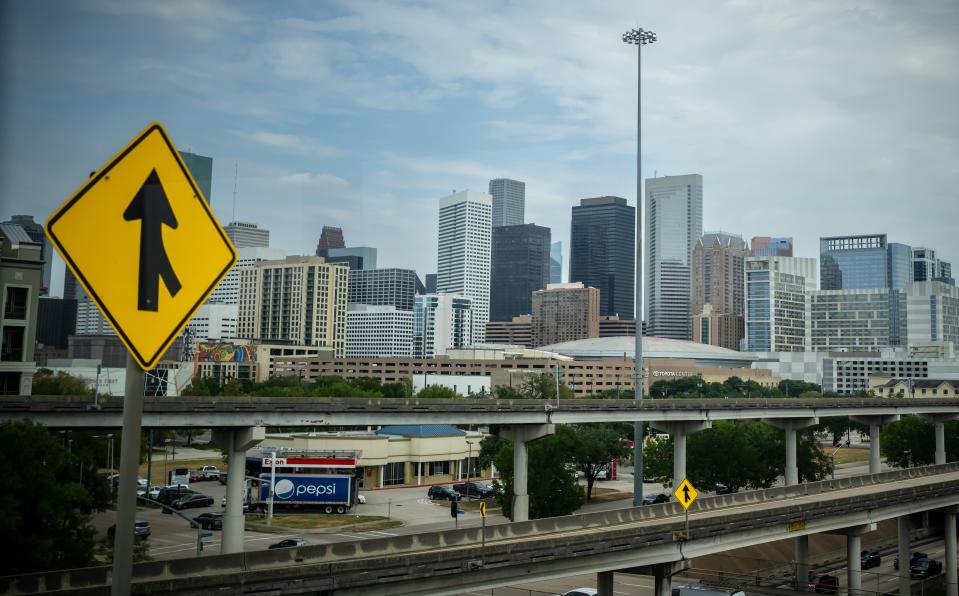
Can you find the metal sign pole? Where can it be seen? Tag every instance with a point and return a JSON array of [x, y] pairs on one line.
[[127, 494], [269, 517]]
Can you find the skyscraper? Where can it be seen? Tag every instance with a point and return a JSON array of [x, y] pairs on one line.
[[602, 252], [299, 300], [565, 312], [674, 221], [247, 235], [556, 263], [764, 246], [520, 266], [776, 290], [330, 237], [509, 201], [394, 287], [441, 322], [926, 266], [380, 331], [463, 253], [357, 257], [717, 281], [35, 231], [862, 262], [201, 167]]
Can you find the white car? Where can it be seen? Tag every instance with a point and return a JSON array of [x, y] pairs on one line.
[[581, 592], [210, 472]]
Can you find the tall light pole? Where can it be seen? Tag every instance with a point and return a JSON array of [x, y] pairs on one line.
[[639, 38]]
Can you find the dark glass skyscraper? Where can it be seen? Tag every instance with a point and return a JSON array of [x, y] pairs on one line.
[[863, 262], [201, 167], [602, 252], [520, 266]]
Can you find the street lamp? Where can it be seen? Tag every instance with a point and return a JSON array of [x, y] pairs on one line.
[[639, 38]]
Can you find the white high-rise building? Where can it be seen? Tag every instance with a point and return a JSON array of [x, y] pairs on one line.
[[509, 201], [246, 258], [463, 255], [214, 322], [674, 222], [777, 289], [90, 321], [299, 300], [378, 331], [932, 313], [247, 235], [441, 322]]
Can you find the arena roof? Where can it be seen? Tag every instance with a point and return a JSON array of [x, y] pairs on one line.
[[653, 347]]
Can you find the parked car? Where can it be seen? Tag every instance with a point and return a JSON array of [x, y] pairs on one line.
[[914, 556], [141, 529], [602, 473], [869, 559], [725, 489], [925, 568], [210, 472], [443, 492], [655, 498], [192, 500], [581, 592], [290, 542], [196, 476], [171, 493], [474, 489], [823, 583], [208, 521]]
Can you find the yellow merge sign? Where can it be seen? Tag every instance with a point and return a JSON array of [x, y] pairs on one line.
[[685, 493], [142, 240]]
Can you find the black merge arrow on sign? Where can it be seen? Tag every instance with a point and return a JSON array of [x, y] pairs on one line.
[[151, 207], [686, 493]]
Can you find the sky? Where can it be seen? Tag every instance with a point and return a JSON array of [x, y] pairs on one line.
[[806, 119]]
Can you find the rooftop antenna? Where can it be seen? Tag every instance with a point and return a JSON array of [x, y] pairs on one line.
[[236, 168]]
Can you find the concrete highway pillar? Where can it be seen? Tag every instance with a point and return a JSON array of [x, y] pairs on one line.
[[236, 442], [875, 427], [678, 431], [604, 583], [952, 581], [664, 585], [853, 567], [791, 425], [905, 582], [520, 435], [940, 442], [802, 563]]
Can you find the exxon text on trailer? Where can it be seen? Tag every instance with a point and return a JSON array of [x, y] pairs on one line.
[[303, 488]]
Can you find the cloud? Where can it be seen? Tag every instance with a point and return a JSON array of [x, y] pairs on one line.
[[291, 143]]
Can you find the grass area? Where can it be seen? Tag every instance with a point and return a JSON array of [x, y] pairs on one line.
[[470, 505], [847, 455], [161, 467], [603, 495], [319, 521]]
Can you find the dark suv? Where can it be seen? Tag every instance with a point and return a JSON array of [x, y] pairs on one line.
[[925, 568], [473, 489], [191, 501], [208, 521], [869, 558], [913, 557], [443, 492]]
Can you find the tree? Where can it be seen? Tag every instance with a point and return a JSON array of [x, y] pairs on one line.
[[42, 505], [594, 446], [436, 392], [543, 386], [910, 440], [46, 382], [552, 486], [658, 460]]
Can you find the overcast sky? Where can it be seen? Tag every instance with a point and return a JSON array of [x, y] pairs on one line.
[[806, 119]]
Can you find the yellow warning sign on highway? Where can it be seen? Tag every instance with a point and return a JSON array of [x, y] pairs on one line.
[[482, 508], [685, 493], [142, 240]]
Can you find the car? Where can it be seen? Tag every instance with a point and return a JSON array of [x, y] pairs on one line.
[[247, 508], [208, 521], [192, 500], [290, 542], [869, 559], [141, 529], [725, 489], [209, 472], [823, 583], [171, 493], [222, 477], [196, 476], [474, 489], [443, 492], [655, 498], [925, 568], [602, 473], [914, 556], [581, 592]]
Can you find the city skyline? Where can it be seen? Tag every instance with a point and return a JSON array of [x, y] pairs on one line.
[[315, 141]]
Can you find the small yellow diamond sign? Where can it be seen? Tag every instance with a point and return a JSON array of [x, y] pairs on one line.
[[482, 508], [685, 493], [141, 239]]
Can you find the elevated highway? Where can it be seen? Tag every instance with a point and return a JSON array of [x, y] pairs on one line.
[[649, 540], [241, 412]]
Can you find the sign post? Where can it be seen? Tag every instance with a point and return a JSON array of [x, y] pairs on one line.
[[686, 494], [482, 512], [142, 241]]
